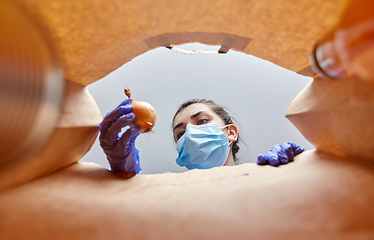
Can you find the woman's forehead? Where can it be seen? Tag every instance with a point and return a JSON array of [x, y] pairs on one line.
[[186, 113]]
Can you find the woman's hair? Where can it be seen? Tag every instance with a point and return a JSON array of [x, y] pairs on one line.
[[220, 111]]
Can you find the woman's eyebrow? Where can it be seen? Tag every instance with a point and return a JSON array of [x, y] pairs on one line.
[[177, 126], [195, 115]]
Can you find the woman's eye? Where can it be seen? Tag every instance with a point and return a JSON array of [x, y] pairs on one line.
[[180, 135], [202, 121]]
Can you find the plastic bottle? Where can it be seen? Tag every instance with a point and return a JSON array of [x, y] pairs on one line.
[[348, 49]]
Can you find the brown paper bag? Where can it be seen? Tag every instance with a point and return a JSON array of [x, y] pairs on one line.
[[337, 116]]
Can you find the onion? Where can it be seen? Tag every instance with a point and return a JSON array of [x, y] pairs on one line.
[[145, 114]]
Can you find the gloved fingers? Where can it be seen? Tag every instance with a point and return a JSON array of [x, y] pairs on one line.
[[121, 122], [280, 152], [122, 147], [296, 149], [261, 160], [113, 116], [272, 158], [135, 132], [121, 109], [288, 150], [111, 135], [128, 138], [125, 102]]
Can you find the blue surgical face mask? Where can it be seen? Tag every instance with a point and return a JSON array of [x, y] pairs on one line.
[[203, 146]]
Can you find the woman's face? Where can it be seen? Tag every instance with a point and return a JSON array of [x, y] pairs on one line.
[[197, 113]]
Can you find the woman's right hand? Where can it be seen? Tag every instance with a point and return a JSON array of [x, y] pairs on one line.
[[120, 148]]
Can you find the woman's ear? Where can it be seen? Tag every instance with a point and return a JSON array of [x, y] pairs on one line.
[[232, 135]]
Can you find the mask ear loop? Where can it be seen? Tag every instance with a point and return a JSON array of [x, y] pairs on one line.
[[227, 129], [226, 126]]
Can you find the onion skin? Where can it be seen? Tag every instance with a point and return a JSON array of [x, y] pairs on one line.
[[146, 116]]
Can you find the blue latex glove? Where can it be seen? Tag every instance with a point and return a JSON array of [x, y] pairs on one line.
[[120, 148], [280, 154]]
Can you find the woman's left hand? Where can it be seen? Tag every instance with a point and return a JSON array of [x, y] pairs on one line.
[[280, 154]]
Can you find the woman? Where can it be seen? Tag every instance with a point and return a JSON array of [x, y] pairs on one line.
[[205, 134]]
